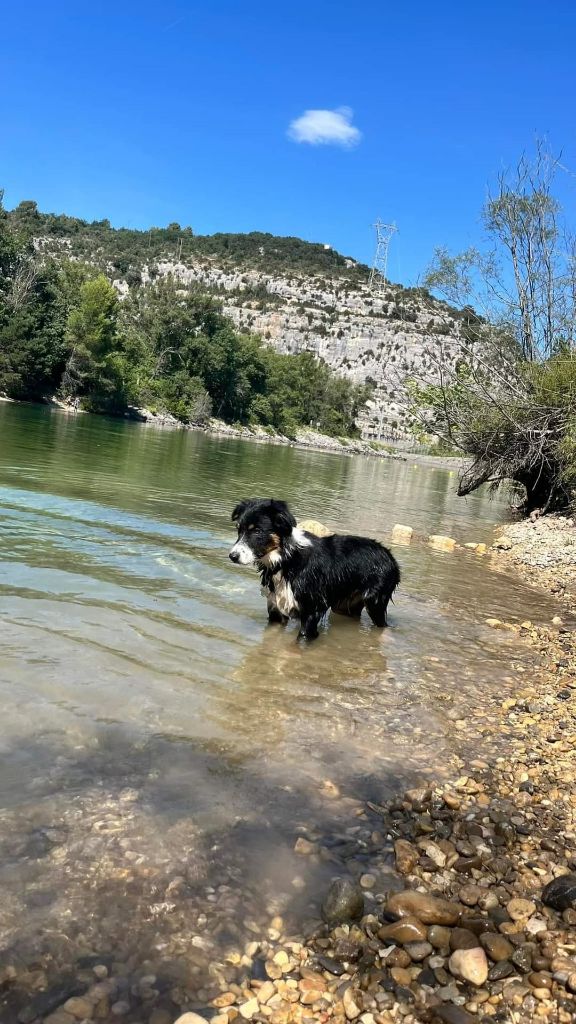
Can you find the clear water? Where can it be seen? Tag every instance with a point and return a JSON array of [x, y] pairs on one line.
[[154, 727]]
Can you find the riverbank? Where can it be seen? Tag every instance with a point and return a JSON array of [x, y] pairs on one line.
[[543, 550], [305, 438]]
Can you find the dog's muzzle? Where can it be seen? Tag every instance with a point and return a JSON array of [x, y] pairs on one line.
[[241, 554]]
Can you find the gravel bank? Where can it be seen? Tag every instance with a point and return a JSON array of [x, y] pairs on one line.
[[544, 550]]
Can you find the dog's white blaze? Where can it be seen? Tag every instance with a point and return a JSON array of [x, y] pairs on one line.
[[245, 553]]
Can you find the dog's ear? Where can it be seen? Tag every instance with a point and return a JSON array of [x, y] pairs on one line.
[[240, 509], [282, 517]]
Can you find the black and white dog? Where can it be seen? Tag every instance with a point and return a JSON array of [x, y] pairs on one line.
[[304, 575]]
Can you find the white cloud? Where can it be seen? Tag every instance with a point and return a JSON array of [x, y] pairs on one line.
[[325, 128]]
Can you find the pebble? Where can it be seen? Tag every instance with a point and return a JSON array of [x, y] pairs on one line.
[[406, 855], [121, 1008], [343, 902], [560, 893], [367, 881], [418, 951], [470, 965], [519, 909], [408, 929], [80, 1008], [352, 1001], [497, 946], [248, 1010], [439, 936], [190, 1018], [428, 909], [462, 938], [450, 1014]]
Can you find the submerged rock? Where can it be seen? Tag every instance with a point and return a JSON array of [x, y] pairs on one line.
[[344, 901], [436, 540]]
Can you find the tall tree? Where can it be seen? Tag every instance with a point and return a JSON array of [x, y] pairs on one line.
[[92, 369]]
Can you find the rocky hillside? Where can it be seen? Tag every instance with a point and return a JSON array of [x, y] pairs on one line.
[[297, 295]]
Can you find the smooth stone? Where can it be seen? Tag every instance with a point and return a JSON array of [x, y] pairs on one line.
[[503, 969], [522, 958], [350, 999], [469, 965], [427, 977], [535, 926], [439, 936], [79, 1008], [406, 856], [418, 951], [571, 982], [248, 1009], [461, 938], [344, 902], [469, 895], [408, 929], [191, 1018], [451, 1014], [560, 893], [428, 909], [401, 534], [540, 980], [401, 975], [519, 909], [441, 543], [332, 966], [314, 527], [497, 947]]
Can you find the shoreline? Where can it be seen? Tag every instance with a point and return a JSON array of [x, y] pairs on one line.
[[306, 439]]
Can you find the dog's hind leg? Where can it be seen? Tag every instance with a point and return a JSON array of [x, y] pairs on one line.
[[376, 606]]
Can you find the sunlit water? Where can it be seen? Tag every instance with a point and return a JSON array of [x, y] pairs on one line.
[[153, 726]]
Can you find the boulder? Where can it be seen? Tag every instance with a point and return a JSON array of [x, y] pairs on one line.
[[402, 534], [314, 527], [440, 543]]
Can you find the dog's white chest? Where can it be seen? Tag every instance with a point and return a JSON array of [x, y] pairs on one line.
[[285, 600]]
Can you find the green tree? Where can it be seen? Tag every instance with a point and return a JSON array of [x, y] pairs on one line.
[[93, 368]]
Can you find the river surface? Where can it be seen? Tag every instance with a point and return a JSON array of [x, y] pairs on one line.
[[161, 747]]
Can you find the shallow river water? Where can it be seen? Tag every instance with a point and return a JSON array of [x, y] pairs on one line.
[[161, 747]]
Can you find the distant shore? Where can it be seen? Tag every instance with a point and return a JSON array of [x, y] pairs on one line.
[[305, 438]]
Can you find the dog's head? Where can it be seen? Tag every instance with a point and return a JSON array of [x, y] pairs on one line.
[[264, 526]]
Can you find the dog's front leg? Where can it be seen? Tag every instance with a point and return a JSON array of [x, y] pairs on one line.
[[274, 613], [309, 619]]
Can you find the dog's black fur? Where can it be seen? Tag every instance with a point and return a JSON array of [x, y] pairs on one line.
[[306, 575]]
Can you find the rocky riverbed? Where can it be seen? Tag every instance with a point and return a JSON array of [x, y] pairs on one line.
[[437, 909], [454, 901]]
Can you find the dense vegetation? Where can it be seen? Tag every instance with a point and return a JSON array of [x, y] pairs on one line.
[[510, 402], [126, 247], [64, 330]]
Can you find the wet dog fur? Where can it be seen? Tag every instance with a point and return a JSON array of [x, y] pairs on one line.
[[304, 575]]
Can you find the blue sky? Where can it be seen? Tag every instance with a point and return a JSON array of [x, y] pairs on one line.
[[148, 113]]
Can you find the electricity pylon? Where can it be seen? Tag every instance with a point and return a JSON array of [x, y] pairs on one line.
[[384, 232]]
